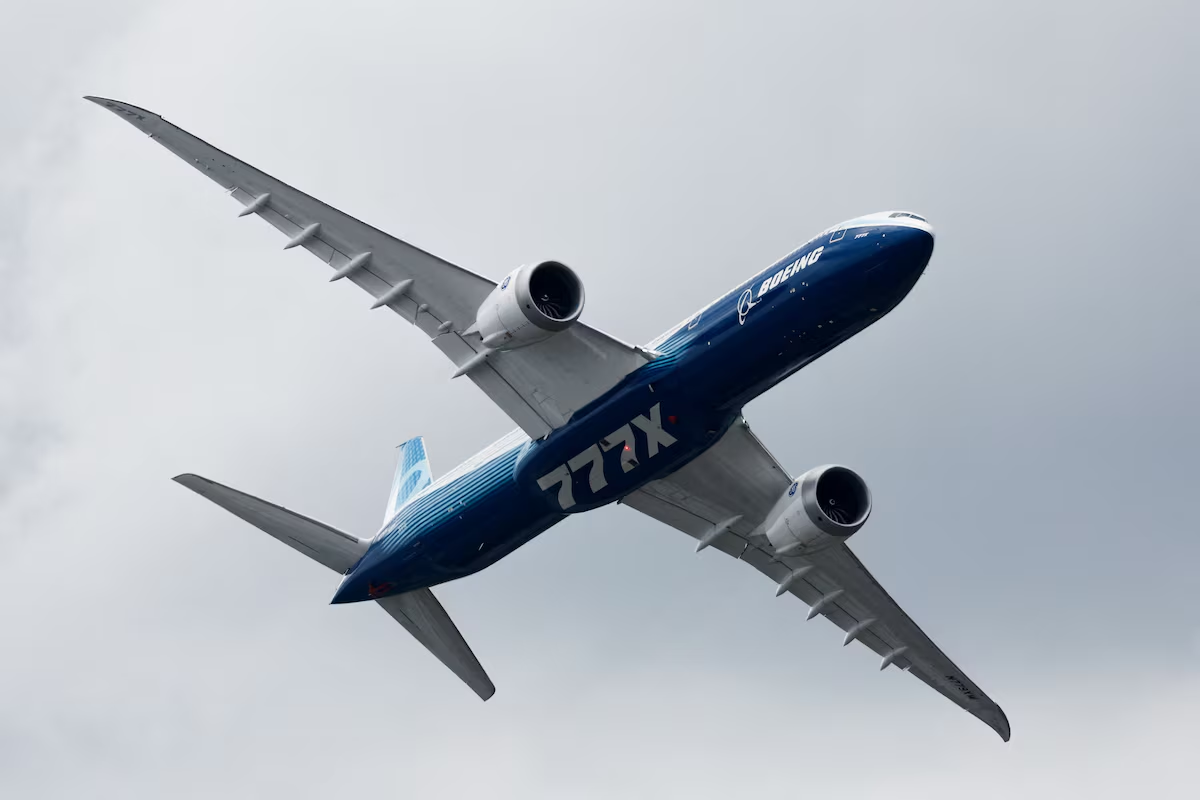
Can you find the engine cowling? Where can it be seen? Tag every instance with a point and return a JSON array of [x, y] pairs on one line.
[[823, 506], [532, 303]]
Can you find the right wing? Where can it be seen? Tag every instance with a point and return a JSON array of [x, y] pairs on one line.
[[538, 386], [722, 499]]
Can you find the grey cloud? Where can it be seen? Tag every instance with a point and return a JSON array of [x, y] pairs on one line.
[[44, 44]]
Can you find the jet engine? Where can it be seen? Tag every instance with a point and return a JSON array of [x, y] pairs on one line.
[[532, 303], [824, 505]]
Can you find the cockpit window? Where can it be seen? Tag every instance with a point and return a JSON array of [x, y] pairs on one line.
[[895, 214]]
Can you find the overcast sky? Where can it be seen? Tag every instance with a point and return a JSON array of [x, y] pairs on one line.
[[1026, 418]]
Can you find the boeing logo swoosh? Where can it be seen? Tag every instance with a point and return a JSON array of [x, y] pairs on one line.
[[745, 303]]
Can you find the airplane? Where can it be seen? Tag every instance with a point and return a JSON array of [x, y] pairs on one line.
[[658, 428]]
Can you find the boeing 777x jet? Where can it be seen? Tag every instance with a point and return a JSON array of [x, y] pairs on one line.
[[658, 428]]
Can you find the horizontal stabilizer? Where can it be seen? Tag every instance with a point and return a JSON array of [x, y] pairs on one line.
[[423, 616], [337, 550]]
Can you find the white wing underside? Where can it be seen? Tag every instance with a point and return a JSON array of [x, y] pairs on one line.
[[738, 479], [539, 386]]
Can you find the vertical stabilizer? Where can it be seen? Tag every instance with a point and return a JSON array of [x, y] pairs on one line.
[[412, 475]]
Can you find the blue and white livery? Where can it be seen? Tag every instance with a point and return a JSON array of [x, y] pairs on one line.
[[413, 476], [658, 428]]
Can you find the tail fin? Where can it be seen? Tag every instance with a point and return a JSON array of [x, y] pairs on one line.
[[337, 550], [412, 475]]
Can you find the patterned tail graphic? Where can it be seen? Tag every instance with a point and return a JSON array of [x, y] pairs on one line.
[[412, 475]]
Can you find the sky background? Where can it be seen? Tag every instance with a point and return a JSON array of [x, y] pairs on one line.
[[1026, 418]]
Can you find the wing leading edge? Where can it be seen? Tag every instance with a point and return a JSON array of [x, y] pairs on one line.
[[539, 386], [722, 499]]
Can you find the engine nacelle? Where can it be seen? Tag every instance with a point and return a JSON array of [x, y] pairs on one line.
[[824, 505], [532, 303]]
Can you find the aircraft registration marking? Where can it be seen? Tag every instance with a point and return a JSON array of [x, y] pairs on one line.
[[962, 687]]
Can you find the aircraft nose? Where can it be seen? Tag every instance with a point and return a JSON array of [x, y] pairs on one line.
[[903, 254], [908, 247], [902, 219], [922, 224], [917, 249], [920, 240]]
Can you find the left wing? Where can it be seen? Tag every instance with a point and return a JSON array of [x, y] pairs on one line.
[[539, 386], [723, 497]]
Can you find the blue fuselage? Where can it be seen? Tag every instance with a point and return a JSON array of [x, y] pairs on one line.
[[659, 417]]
